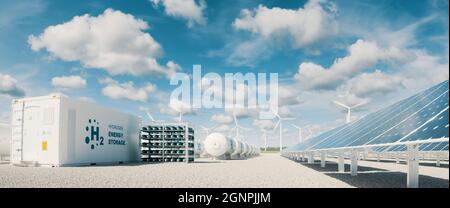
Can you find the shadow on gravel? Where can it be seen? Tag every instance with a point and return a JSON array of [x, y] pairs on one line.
[[331, 166], [369, 177], [422, 163], [212, 161], [387, 180], [434, 165], [385, 161]]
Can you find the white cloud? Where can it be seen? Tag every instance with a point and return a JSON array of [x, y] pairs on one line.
[[69, 82], [113, 41], [284, 112], [20, 11], [264, 124], [222, 128], [87, 99], [126, 91], [375, 82], [10, 86], [175, 107], [168, 111], [221, 118], [424, 70], [185, 9], [288, 95], [362, 55], [180, 106], [305, 26], [248, 53]]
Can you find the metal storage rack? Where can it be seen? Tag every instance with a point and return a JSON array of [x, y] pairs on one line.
[[167, 142]]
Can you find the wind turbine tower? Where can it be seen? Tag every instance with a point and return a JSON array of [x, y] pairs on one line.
[[280, 125], [299, 132]]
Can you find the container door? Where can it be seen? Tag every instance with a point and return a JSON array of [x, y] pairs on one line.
[[17, 132], [31, 140]]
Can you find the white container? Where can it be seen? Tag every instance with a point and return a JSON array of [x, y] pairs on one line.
[[5, 140], [55, 130]]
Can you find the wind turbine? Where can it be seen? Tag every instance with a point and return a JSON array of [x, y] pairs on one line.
[[349, 109], [264, 133], [238, 127], [299, 132], [150, 116], [280, 124]]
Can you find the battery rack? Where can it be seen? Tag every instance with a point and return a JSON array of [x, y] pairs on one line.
[[168, 142]]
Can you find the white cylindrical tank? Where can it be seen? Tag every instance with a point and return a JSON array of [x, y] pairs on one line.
[[217, 144], [5, 140], [238, 150], [247, 150]]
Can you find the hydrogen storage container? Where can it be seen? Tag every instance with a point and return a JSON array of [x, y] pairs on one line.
[[5, 140], [56, 130]]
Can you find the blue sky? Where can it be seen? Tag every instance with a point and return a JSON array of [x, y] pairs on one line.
[[353, 51]]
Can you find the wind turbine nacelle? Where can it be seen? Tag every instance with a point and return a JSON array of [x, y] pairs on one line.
[[217, 144]]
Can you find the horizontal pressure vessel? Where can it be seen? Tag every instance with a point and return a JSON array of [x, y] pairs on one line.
[[217, 144]]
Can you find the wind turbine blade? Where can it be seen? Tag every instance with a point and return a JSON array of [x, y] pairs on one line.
[[149, 115], [276, 125], [341, 104], [361, 104], [295, 126], [275, 113], [235, 120]]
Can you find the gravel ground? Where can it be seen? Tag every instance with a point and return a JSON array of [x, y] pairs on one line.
[[264, 171]]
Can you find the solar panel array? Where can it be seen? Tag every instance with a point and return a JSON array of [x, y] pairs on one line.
[[422, 116]]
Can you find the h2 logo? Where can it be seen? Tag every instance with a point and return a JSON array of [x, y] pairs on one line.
[[95, 139]]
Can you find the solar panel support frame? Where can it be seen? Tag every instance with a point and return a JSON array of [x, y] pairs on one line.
[[354, 162], [413, 166]]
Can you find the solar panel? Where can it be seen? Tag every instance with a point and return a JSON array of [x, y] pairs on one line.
[[420, 117]]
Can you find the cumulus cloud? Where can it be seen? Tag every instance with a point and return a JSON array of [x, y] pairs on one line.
[[425, 68], [248, 53], [264, 124], [288, 95], [69, 82], [221, 118], [222, 128], [113, 41], [175, 107], [189, 10], [126, 91], [376, 82], [304, 26], [10, 86], [361, 56]]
